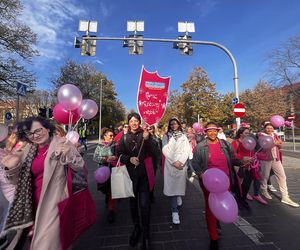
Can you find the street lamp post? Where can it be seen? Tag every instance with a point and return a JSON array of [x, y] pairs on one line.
[[100, 109]]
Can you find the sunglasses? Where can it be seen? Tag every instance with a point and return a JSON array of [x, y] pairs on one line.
[[110, 135]]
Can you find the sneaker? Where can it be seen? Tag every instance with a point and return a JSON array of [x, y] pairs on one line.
[[175, 218], [266, 194], [249, 197], [179, 201], [271, 188], [288, 201], [260, 199]]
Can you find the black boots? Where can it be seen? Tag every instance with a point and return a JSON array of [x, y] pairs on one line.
[[145, 244], [214, 245], [135, 235], [111, 216]]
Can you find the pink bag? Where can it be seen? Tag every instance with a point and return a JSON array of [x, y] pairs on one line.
[[150, 172], [76, 213]]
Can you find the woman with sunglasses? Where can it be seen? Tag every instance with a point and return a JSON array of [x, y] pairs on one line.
[[104, 155], [177, 150], [213, 152], [39, 171]]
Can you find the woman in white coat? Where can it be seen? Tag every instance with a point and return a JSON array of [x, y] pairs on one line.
[[177, 150]]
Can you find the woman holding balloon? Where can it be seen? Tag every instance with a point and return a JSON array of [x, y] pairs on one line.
[[216, 155], [271, 143], [244, 148], [104, 155], [39, 170]]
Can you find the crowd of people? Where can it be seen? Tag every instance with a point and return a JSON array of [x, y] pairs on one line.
[[33, 176]]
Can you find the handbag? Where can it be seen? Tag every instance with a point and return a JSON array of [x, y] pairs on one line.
[[76, 213], [121, 184]]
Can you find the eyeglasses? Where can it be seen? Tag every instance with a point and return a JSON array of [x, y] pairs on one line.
[[126, 126], [38, 131], [110, 135]]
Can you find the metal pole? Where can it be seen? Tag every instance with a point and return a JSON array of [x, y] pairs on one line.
[[293, 133], [100, 109], [235, 71], [18, 107]]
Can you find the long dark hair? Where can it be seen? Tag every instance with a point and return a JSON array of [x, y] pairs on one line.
[[240, 131], [26, 126], [174, 119]]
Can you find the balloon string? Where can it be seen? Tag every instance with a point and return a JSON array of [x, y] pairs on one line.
[[75, 126], [70, 121]]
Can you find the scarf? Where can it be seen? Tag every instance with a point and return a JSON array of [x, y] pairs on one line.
[[21, 211], [175, 134]]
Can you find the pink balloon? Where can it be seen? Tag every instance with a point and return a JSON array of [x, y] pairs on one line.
[[102, 174], [197, 127], [69, 96], [223, 206], [249, 143], [288, 124], [266, 142], [277, 121], [88, 108], [72, 136], [61, 115], [3, 132], [215, 180]]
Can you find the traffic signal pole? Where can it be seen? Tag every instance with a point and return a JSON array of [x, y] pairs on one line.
[[227, 52]]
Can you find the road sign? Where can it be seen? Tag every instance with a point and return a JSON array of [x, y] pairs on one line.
[[239, 110], [21, 89], [291, 117], [235, 100], [8, 115]]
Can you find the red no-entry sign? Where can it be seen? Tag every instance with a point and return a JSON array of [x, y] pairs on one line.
[[291, 117], [239, 110]]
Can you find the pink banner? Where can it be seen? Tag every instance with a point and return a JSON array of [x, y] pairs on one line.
[[152, 96]]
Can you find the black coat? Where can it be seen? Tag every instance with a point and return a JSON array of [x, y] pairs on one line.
[[130, 147]]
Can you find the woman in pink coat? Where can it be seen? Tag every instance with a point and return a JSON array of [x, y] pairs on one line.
[[39, 171]]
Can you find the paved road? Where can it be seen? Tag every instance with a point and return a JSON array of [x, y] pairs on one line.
[[275, 226]]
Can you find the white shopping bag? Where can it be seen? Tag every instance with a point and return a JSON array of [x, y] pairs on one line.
[[121, 184]]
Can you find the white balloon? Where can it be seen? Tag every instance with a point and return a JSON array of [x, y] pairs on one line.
[[88, 108], [69, 96], [73, 137], [3, 132]]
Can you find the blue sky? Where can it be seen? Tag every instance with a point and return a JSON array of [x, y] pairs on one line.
[[249, 29]]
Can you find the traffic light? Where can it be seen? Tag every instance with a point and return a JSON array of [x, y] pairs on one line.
[[185, 47], [43, 112]]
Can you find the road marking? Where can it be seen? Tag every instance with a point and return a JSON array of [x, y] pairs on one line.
[[250, 231]]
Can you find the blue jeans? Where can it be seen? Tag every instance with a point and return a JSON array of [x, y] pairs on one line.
[[174, 205]]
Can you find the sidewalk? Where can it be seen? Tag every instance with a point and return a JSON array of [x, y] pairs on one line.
[[255, 229]]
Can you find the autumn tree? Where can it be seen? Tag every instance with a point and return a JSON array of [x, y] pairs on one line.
[[199, 97], [17, 43], [88, 80], [262, 103]]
